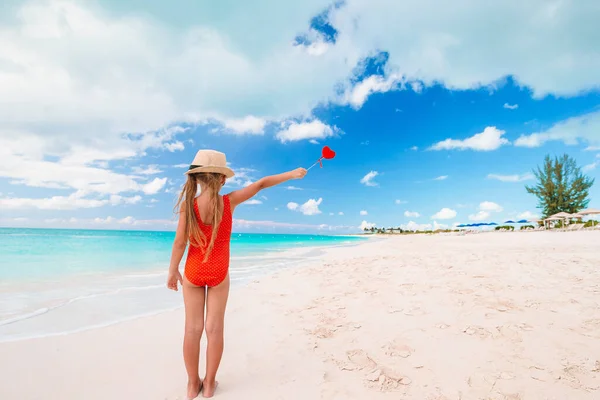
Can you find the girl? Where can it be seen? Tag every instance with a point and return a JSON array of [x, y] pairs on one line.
[[205, 222]]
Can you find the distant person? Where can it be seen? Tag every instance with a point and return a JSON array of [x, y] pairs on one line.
[[205, 222]]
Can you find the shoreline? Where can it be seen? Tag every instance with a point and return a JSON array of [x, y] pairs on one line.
[[271, 261], [424, 317]]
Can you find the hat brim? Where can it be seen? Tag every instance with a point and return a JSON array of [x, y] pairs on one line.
[[228, 172]]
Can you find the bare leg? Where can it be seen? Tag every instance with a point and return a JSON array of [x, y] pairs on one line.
[[216, 302], [194, 298]]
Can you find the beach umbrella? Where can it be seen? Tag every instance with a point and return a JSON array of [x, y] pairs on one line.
[[523, 221], [561, 214], [589, 211], [509, 222], [493, 224]]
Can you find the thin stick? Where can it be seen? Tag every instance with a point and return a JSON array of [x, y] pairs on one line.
[[308, 169]]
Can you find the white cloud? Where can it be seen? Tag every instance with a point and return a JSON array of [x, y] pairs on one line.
[[512, 178], [366, 225], [359, 93], [490, 206], [441, 178], [511, 106], [528, 215], [243, 177], [102, 221], [115, 199], [317, 48], [76, 200], [252, 202], [293, 188], [127, 220], [480, 216], [414, 148], [401, 202], [572, 131], [71, 202], [154, 186], [363, 212], [340, 213], [296, 131], [106, 222], [485, 210], [490, 139], [444, 213], [249, 124], [437, 226], [411, 214], [413, 226], [367, 180], [174, 146], [311, 207], [261, 225], [148, 170], [590, 167]]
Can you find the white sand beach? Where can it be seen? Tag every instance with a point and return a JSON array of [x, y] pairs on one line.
[[486, 316]]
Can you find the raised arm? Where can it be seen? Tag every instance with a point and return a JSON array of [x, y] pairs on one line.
[[239, 196]]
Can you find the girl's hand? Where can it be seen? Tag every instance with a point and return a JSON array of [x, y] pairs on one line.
[[298, 173], [173, 279]]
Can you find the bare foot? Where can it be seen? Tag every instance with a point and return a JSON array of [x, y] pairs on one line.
[[208, 389], [194, 388]]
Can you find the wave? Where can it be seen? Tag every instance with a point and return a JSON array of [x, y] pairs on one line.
[[148, 275], [45, 310], [90, 327]]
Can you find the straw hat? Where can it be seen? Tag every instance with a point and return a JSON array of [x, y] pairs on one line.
[[210, 161]]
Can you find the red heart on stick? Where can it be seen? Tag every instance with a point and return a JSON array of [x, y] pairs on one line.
[[328, 154]]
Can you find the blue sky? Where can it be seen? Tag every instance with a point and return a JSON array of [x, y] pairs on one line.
[[436, 121]]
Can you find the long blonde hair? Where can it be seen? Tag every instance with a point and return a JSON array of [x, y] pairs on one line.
[[211, 183]]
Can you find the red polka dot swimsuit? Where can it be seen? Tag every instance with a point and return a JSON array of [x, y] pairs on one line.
[[215, 269]]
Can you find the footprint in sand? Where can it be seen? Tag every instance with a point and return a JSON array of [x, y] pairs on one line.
[[413, 312], [361, 359], [539, 374], [503, 306], [323, 333], [591, 325], [477, 331], [397, 349], [386, 380], [509, 332], [578, 376], [383, 378]]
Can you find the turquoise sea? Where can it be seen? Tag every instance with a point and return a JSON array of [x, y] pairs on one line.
[[55, 281]]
